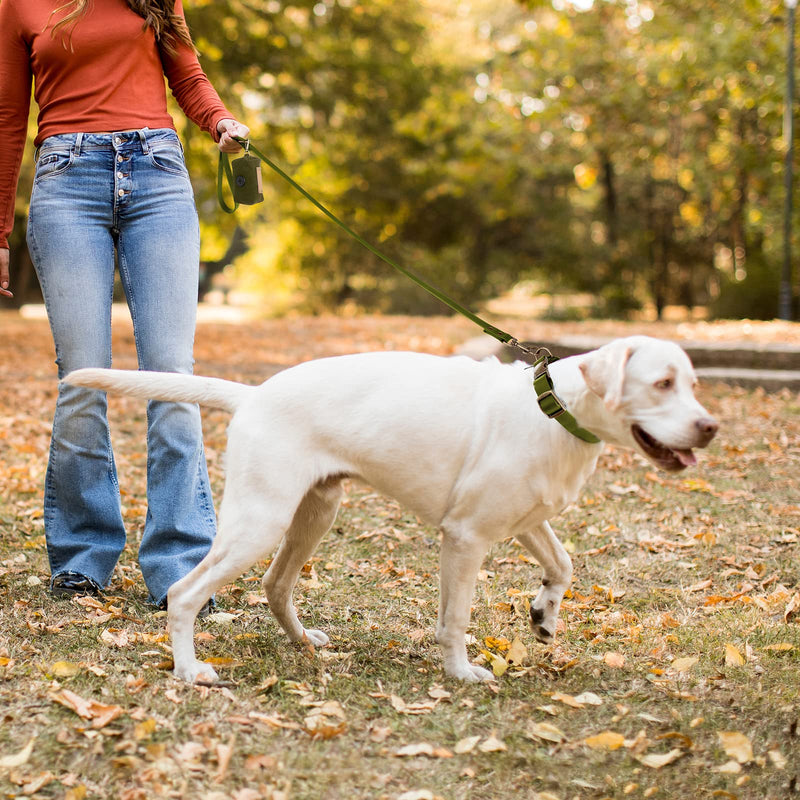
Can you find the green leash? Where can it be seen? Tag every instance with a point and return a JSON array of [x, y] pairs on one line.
[[549, 402]]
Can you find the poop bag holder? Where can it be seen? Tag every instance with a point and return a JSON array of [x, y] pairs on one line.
[[246, 185]]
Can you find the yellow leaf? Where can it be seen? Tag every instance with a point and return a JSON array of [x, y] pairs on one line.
[[144, 729], [780, 647], [685, 663], [736, 745], [658, 760], [517, 653], [607, 740], [18, 759], [64, 669], [499, 664], [733, 658]]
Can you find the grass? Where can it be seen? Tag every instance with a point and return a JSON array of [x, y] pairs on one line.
[[678, 633]]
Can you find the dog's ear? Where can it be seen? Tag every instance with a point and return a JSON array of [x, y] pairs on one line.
[[604, 372]]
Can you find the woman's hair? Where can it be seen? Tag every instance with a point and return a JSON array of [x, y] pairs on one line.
[[168, 27]]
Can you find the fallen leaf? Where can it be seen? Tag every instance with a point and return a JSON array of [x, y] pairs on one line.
[[438, 693], [777, 758], [466, 745], [566, 699], [733, 658], [736, 745], [498, 663], [546, 731], [116, 637], [607, 740], [401, 707], [793, 608], [615, 660], [326, 721], [20, 758], [224, 755], [100, 714], [221, 618], [64, 669], [517, 653], [658, 760], [417, 794], [589, 699], [730, 768], [781, 647], [423, 749], [492, 745], [684, 664], [144, 729]]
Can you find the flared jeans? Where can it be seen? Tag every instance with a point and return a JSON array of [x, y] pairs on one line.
[[97, 200]]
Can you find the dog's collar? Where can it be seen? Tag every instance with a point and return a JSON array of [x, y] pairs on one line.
[[552, 405]]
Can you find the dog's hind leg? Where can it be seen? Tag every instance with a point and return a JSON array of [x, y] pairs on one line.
[[313, 518], [249, 530], [556, 566], [461, 558]]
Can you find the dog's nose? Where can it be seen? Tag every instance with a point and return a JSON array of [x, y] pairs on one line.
[[707, 427]]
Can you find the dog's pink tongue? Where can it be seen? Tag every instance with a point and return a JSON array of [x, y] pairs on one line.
[[686, 457]]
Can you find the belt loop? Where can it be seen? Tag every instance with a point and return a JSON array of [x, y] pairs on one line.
[[143, 140], [76, 148]]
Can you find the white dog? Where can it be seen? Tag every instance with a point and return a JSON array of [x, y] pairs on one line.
[[462, 443]]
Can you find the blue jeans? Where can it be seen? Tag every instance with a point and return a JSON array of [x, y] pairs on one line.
[[96, 196]]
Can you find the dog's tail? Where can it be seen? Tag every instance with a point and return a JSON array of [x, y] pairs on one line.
[[170, 386]]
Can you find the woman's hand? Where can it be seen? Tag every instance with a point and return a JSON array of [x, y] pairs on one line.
[[4, 274], [227, 129]]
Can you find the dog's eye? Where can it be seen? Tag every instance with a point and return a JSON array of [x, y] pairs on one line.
[[667, 383]]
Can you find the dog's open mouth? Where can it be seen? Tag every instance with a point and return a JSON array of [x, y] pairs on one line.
[[665, 457]]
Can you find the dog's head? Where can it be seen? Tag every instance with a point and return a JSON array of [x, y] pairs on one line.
[[647, 388]]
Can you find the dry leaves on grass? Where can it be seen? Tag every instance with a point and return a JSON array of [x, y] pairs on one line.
[[100, 714]]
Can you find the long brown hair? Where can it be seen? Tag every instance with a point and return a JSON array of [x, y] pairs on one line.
[[168, 27]]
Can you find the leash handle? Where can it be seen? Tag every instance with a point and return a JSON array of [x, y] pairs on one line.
[[225, 171]]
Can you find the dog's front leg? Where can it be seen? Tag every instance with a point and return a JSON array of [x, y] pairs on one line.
[[556, 566], [462, 555]]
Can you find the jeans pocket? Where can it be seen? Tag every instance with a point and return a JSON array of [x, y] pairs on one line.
[[168, 158], [52, 163]]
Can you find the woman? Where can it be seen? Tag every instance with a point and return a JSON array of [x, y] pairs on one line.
[[111, 183]]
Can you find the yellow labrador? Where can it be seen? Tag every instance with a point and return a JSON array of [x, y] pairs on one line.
[[462, 443]]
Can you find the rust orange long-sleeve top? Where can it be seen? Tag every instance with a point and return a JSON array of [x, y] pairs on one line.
[[108, 75]]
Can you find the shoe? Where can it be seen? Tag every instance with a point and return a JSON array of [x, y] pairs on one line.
[[207, 609], [72, 584]]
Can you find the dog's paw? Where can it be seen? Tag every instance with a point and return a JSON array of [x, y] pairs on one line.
[[469, 673], [542, 633], [315, 637], [197, 673]]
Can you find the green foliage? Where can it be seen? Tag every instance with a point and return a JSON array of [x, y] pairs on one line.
[[754, 297]]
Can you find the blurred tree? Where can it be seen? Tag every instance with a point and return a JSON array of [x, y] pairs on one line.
[[628, 148]]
